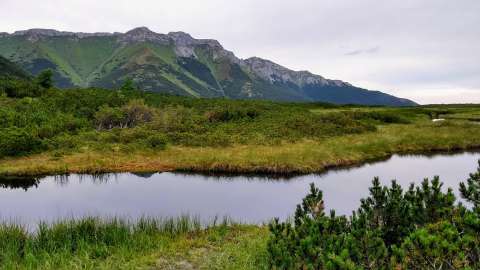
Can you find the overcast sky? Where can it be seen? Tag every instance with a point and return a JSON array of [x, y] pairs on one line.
[[426, 50]]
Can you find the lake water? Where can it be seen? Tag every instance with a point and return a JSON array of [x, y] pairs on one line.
[[246, 199]]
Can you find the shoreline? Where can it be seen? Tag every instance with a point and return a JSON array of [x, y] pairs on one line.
[[274, 172]]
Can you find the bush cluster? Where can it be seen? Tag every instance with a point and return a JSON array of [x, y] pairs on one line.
[[127, 116], [157, 141], [380, 116], [18, 88], [229, 114], [16, 141], [420, 228]]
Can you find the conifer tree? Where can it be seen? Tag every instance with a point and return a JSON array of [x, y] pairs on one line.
[[471, 190], [45, 79]]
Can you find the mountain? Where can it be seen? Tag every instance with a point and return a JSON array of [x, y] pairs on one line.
[[173, 63], [9, 69]]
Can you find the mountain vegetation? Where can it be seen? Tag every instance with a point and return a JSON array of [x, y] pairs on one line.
[[174, 63]]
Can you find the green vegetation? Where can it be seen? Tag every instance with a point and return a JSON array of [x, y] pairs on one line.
[[45, 79], [420, 228], [70, 120], [94, 243]]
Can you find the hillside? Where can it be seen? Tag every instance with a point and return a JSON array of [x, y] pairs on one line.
[[9, 69], [173, 63]]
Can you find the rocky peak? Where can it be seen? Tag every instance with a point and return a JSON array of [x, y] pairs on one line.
[[142, 34], [37, 34], [257, 63], [140, 31], [182, 38], [273, 72], [99, 34], [41, 32], [185, 44], [185, 39]]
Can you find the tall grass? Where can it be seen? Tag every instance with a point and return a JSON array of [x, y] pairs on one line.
[[90, 237]]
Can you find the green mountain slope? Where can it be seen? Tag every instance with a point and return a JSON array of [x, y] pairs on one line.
[[174, 63], [9, 69]]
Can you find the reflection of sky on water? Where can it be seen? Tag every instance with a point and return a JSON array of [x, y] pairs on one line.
[[247, 199]]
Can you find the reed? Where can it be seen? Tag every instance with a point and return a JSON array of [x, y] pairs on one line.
[[89, 237]]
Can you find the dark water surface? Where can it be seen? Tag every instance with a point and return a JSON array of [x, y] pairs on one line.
[[245, 199]]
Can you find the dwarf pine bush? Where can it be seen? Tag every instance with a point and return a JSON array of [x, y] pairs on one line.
[[420, 228]]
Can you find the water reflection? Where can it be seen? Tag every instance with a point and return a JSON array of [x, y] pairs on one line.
[[144, 175], [19, 183], [250, 198]]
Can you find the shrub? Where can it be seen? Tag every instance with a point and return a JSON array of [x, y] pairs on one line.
[[136, 112], [305, 124], [439, 246], [383, 117], [157, 141], [471, 190], [128, 86], [316, 241], [178, 119], [111, 136], [18, 88], [107, 118], [45, 79], [16, 141], [231, 114], [61, 123], [64, 141], [396, 213], [132, 135], [128, 116], [420, 228]]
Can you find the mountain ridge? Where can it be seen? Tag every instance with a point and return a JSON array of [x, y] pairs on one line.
[[174, 63]]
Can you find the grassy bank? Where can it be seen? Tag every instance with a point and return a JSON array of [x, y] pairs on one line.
[[305, 156], [92, 243]]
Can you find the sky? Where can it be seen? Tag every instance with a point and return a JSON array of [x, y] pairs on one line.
[[425, 50]]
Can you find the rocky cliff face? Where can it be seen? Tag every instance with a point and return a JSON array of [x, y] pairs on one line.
[[142, 34], [173, 63], [272, 72]]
